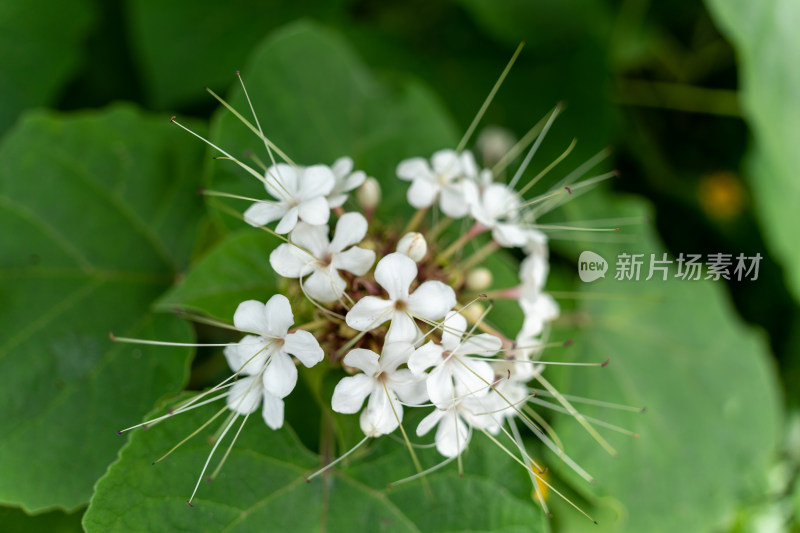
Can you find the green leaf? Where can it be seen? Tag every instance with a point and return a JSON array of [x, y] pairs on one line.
[[713, 415], [40, 48], [236, 270], [98, 212], [765, 37], [173, 41], [15, 520], [317, 101], [262, 487]]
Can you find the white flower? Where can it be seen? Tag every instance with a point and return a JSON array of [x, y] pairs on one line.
[[455, 375], [300, 194], [310, 252], [395, 272], [264, 356], [383, 383], [444, 181], [346, 181], [497, 207], [453, 433], [537, 306]]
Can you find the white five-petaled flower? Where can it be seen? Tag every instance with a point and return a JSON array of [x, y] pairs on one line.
[[300, 194], [346, 181], [445, 181], [497, 208], [454, 423], [311, 252], [385, 385], [264, 357], [456, 375], [395, 273]]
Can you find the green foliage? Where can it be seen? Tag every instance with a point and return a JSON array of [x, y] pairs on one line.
[[768, 45], [263, 487], [35, 70], [711, 427], [97, 205]]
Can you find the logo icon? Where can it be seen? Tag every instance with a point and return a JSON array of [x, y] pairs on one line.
[[591, 266]]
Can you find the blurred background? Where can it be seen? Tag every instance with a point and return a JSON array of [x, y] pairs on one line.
[[699, 102]]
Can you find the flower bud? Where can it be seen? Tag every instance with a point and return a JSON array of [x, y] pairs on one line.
[[493, 143], [473, 312], [369, 194], [413, 245], [479, 279]]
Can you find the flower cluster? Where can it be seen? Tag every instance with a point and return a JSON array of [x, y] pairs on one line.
[[401, 308]]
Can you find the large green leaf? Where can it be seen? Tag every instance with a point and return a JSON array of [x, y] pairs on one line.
[[98, 212], [317, 101], [713, 411], [236, 270], [768, 45], [40, 46], [173, 41], [262, 487]]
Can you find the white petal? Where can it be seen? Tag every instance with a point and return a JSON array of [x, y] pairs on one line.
[[279, 317], [453, 200], [364, 360], [304, 346], [289, 261], [350, 393], [316, 180], [410, 389], [454, 327], [395, 354], [468, 165], [262, 213], [440, 387], [244, 395], [472, 380], [422, 193], [336, 200], [482, 344], [325, 285], [281, 181], [354, 180], [394, 273], [249, 356], [452, 435], [414, 168], [432, 300], [424, 357], [342, 167], [356, 260], [402, 329], [288, 221], [382, 415], [315, 211], [429, 421], [313, 239], [446, 164], [280, 376], [509, 235], [251, 316], [272, 411], [350, 229], [369, 313]]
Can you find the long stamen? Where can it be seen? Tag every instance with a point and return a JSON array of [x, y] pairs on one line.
[[208, 459], [339, 459], [489, 98], [525, 162]]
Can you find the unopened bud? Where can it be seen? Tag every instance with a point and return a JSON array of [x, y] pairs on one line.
[[493, 143], [369, 194], [413, 245], [479, 279], [473, 312]]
